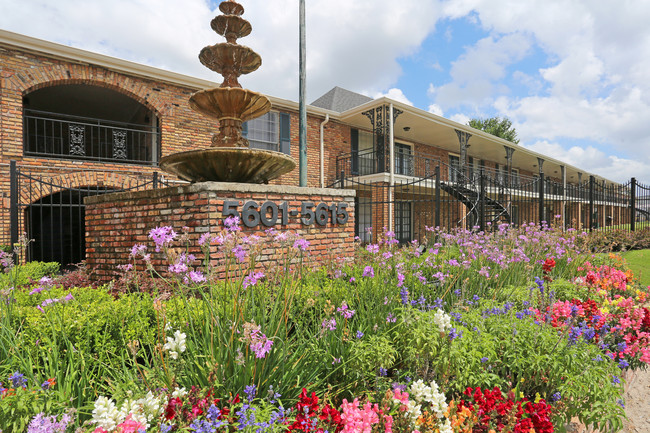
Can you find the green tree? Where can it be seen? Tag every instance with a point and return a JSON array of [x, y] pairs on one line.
[[501, 127]]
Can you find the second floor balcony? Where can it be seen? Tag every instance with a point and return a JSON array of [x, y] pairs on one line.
[[55, 135]]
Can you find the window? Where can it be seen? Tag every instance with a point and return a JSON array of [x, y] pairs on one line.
[[403, 159], [263, 132], [474, 170], [363, 221], [403, 221], [454, 168], [514, 178], [269, 132], [366, 153]]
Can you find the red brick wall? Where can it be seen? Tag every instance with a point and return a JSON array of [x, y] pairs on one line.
[[181, 128], [115, 222]]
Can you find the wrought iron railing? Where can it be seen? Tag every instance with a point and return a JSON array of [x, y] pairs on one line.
[[74, 137]]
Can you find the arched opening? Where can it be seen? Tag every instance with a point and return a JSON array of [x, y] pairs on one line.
[[81, 121], [57, 224]]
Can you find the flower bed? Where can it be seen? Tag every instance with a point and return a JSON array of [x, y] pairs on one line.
[[475, 332]]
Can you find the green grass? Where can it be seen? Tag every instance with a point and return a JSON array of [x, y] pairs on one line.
[[639, 263]]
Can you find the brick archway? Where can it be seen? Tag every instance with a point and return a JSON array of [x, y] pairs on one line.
[[37, 190]]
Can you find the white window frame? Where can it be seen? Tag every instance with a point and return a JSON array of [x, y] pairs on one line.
[[260, 142]]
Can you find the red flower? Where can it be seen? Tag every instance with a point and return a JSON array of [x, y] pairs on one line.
[[548, 265], [172, 406]]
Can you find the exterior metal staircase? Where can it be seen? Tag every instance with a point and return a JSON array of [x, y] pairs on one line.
[[494, 211]]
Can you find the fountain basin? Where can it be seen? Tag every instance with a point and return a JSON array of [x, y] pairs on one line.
[[223, 102], [228, 164]]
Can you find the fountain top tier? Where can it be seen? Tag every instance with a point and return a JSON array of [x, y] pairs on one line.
[[229, 160]]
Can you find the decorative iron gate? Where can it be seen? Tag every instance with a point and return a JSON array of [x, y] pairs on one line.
[[48, 207]]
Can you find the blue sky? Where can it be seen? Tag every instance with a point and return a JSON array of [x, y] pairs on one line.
[[572, 75]]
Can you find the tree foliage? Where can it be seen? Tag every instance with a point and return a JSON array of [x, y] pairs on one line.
[[501, 127]]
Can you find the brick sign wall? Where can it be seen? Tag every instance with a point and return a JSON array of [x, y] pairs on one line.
[[115, 222]]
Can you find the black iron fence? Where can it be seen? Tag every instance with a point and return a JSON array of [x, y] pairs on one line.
[[47, 206], [62, 136], [431, 194]]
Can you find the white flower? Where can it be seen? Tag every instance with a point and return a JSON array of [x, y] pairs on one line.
[[105, 414], [143, 410], [422, 393], [179, 392], [443, 320], [414, 411], [176, 344]]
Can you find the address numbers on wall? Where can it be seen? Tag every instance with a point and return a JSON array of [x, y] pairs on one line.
[[269, 213]]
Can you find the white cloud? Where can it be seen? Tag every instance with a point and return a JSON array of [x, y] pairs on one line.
[[460, 118], [354, 45], [395, 94], [475, 73], [593, 160], [435, 109]]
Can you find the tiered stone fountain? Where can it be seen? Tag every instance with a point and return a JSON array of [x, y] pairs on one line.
[[224, 178], [229, 159]]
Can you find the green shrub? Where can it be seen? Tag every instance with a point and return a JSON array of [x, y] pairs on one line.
[[28, 273]]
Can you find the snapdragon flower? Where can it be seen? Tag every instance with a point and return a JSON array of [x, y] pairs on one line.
[[443, 320], [175, 344]]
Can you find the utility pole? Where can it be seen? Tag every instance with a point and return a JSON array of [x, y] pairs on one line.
[[302, 134]]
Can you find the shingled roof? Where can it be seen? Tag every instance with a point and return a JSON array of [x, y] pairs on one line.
[[340, 100]]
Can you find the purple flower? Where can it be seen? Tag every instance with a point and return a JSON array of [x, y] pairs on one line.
[[239, 252], [329, 324], [17, 380], [623, 364], [484, 360], [250, 391], [372, 248], [260, 344], [368, 271], [391, 318], [615, 380], [383, 372], [404, 294], [162, 236], [205, 239], [301, 244], [48, 424], [197, 277], [252, 279], [556, 397], [232, 223], [345, 311], [454, 334], [400, 279], [138, 249], [359, 334]]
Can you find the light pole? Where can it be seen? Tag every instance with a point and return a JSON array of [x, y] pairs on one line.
[[302, 134]]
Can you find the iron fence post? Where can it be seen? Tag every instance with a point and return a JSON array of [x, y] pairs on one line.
[[437, 215], [13, 206], [342, 179], [541, 198], [633, 204], [481, 197], [592, 181], [154, 180]]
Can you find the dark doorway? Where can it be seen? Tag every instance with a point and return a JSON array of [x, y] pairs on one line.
[[57, 224]]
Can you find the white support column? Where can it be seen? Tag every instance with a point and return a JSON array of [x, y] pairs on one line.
[[563, 170], [391, 153]]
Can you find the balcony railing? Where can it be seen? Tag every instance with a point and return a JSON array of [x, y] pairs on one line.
[[420, 165], [74, 137]]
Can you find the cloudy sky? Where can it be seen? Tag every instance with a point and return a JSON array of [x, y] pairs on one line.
[[572, 75]]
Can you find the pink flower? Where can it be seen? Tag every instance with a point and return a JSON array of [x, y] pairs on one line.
[[129, 426]]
